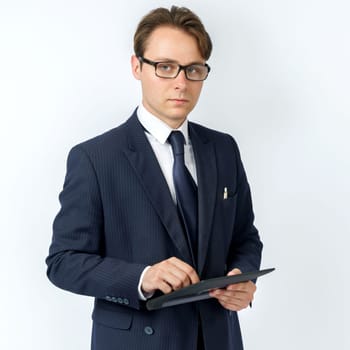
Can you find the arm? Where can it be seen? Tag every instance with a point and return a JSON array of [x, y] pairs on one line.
[[76, 262], [245, 248]]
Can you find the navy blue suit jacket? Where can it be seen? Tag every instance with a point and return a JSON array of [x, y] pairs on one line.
[[117, 216]]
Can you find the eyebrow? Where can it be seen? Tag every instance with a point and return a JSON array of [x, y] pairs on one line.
[[170, 60]]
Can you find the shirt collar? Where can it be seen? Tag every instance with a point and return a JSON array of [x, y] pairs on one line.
[[157, 128]]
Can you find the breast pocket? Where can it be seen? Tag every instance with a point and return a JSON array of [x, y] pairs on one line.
[[230, 200], [229, 206]]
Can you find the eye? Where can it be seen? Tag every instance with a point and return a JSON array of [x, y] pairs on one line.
[[166, 67], [193, 69]]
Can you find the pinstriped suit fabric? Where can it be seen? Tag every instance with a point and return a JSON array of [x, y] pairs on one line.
[[117, 216]]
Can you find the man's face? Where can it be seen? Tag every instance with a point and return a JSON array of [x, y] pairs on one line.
[[171, 100]]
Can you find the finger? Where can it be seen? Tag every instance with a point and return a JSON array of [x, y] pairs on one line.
[[185, 268], [174, 272], [155, 278], [228, 296], [176, 279], [179, 279], [164, 287], [235, 271], [233, 303], [244, 286], [233, 306], [233, 297], [235, 286]]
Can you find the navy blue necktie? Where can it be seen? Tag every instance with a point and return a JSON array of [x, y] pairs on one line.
[[186, 190]]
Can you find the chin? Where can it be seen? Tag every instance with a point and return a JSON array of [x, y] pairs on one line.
[[179, 117], [180, 113]]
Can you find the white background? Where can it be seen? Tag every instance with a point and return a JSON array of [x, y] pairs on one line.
[[279, 84]]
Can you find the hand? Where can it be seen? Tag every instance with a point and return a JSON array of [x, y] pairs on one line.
[[168, 275], [235, 297]]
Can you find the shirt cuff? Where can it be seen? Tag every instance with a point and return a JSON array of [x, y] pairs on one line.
[[142, 295]]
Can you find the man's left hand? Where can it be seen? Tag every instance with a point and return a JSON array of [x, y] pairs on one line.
[[235, 297]]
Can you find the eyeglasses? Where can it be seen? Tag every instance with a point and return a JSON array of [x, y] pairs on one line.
[[170, 70]]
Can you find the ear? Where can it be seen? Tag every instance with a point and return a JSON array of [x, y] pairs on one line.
[[136, 67]]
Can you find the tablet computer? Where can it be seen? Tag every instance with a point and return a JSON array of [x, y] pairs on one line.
[[200, 290]]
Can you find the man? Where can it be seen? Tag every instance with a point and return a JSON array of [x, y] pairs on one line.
[[126, 230]]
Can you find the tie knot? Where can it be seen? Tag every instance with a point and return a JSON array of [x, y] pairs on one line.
[[177, 140]]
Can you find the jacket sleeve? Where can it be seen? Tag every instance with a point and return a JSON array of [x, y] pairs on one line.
[[76, 262], [246, 247]]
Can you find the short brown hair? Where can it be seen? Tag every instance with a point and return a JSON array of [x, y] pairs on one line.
[[178, 17]]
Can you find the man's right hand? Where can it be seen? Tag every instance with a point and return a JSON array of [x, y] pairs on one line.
[[168, 275]]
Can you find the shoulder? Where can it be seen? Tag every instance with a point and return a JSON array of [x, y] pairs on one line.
[[111, 141], [111, 138], [210, 135]]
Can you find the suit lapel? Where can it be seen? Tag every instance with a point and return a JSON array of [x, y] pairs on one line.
[[207, 177], [144, 162]]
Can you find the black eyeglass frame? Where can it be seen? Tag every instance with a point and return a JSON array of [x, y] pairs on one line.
[[184, 68]]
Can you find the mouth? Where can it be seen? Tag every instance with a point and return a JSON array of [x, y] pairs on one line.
[[179, 101]]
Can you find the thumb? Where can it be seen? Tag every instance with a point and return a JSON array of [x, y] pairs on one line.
[[235, 271]]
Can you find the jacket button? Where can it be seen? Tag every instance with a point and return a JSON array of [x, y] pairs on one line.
[[126, 301], [149, 330], [120, 300], [108, 298]]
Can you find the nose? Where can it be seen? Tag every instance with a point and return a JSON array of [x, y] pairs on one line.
[[181, 80]]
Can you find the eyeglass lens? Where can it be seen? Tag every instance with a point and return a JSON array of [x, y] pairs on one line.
[[171, 70]]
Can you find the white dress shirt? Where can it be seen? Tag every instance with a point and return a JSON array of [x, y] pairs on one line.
[[157, 133]]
